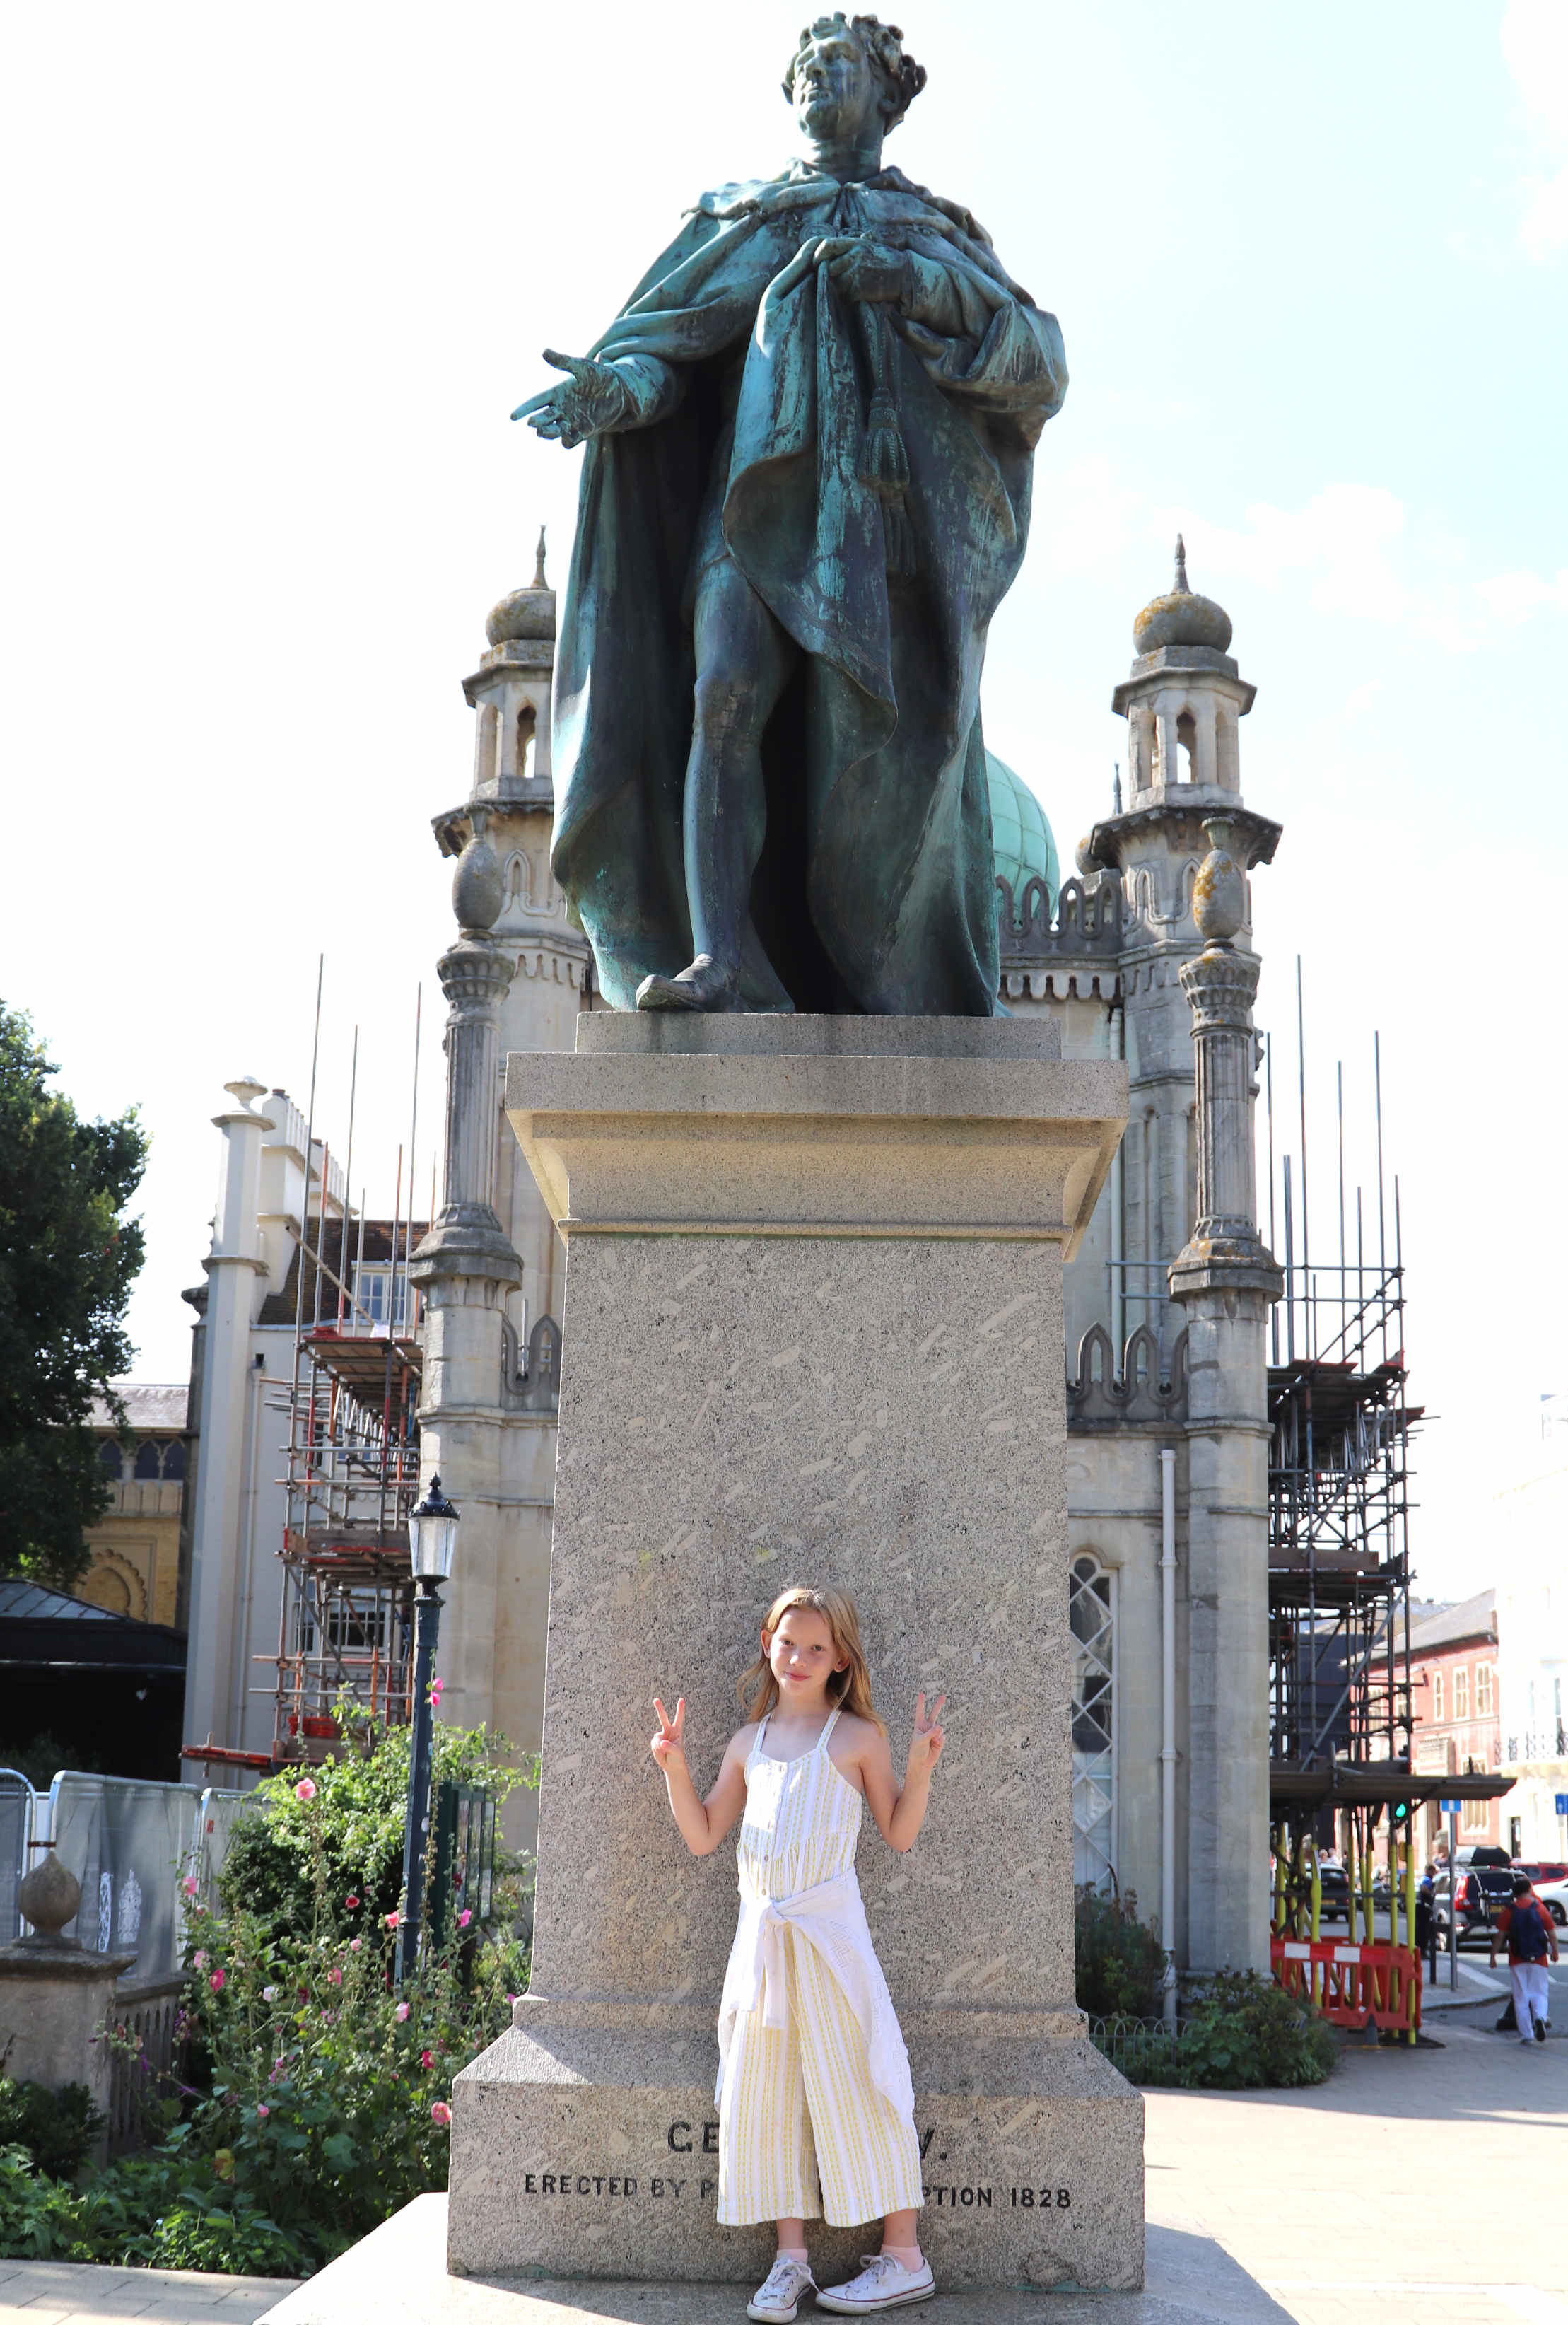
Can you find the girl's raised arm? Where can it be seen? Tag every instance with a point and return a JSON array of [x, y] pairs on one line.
[[703, 1824], [900, 1809]]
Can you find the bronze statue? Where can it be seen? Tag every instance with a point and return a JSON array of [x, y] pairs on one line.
[[806, 491]]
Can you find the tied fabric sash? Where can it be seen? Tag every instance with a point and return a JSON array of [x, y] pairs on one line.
[[831, 1917], [766, 1982]]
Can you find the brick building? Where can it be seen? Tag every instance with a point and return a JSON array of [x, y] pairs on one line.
[[1456, 1726]]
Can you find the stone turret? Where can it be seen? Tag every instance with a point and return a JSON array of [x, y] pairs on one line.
[[515, 978]]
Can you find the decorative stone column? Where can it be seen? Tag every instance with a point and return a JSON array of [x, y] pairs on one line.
[[1226, 1280], [233, 1267]]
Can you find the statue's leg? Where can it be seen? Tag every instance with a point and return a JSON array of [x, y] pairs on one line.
[[743, 662]]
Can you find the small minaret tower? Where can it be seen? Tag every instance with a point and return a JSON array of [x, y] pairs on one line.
[[1182, 847], [515, 979]]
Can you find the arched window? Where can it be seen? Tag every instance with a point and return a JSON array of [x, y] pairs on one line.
[[174, 1457], [147, 1458], [1091, 1609], [110, 1459]]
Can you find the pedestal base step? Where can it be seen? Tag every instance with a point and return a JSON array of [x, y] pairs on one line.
[[398, 2277], [588, 2151]]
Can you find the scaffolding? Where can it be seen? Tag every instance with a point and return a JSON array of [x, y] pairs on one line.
[[346, 1632], [1340, 1427], [345, 1652]]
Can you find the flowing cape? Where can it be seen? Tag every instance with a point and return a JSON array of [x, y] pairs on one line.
[[875, 891]]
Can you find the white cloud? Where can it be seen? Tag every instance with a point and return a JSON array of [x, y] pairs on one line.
[[1534, 35], [1353, 552]]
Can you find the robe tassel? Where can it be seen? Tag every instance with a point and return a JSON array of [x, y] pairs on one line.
[[884, 464]]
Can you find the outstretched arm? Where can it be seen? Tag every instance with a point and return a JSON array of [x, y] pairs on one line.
[[703, 1824], [900, 1809], [598, 398]]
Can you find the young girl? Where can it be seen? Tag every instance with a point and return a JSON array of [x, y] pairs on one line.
[[816, 2111]]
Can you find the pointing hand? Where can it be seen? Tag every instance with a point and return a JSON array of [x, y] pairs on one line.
[[669, 1743]]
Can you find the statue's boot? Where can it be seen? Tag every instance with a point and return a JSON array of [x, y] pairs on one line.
[[704, 985]]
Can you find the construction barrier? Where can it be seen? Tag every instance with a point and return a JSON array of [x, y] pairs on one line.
[[1353, 1985]]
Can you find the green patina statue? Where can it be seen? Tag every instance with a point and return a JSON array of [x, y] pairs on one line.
[[806, 492]]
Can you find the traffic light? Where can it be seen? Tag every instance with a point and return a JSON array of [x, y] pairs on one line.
[[1399, 1818]]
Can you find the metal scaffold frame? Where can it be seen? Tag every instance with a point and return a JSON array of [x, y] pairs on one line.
[[1339, 1474], [346, 1631]]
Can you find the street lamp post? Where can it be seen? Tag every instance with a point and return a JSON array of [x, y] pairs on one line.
[[432, 1538]]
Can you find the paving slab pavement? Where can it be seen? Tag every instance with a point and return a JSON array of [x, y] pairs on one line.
[[60, 2290], [1416, 2188]]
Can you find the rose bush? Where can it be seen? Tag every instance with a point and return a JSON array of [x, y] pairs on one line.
[[317, 2098]]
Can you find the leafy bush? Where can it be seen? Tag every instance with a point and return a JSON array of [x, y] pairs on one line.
[[1242, 2032], [1121, 1963], [322, 2098], [285, 1870], [57, 2128]]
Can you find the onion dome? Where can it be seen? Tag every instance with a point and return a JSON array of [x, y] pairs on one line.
[[1181, 619], [1021, 833], [528, 613]]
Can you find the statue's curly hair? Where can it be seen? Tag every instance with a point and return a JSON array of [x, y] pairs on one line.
[[901, 79]]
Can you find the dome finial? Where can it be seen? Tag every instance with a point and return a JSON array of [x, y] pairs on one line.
[[540, 583], [1180, 588]]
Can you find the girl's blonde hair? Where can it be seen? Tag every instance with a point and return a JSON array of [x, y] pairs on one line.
[[850, 1687]]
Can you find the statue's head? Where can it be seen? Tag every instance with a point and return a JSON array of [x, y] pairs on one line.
[[848, 73]]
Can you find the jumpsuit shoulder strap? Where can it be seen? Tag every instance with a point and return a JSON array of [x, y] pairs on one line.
[[761, 1731], [832, 1724]]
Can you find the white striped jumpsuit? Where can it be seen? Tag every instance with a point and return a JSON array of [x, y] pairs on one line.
[[804, 2129]]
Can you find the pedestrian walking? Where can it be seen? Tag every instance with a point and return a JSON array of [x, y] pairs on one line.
[[1532, 1941]]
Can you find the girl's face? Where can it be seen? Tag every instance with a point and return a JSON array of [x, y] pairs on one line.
[[802, 1657]]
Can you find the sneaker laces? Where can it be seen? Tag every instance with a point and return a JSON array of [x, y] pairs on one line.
[[784, 2270], [876, 2269]]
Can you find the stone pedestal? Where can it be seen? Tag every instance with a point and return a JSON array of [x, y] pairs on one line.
[[54, 1997], [813, 1331]]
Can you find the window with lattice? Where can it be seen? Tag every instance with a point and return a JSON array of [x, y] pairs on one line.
[[1091, 1607]]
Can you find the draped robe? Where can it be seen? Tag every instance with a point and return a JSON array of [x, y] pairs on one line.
[[749, 378]]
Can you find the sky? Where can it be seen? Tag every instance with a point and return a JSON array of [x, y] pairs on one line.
[[272, 281]]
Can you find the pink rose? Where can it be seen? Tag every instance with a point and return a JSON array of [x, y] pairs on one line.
[[426, 2061], [199, 1958], [435, 1687], [263, 2111], [441, 2112], [189, 1884], [335, 1978], [391, 1921], [218, 1981], [354, 1944], [464, 1917], [350, 1903], [401, 2012], [304, 1790]]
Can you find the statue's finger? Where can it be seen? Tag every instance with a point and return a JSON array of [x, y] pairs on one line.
[[574, 363]]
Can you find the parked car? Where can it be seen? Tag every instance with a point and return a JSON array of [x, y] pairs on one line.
[[1485, 1878], [1550, 1884]]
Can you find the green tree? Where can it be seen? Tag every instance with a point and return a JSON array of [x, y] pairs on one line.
[[67, 1263]]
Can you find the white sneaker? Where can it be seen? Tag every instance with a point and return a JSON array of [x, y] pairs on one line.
[[776, 2302], [883, 2282]]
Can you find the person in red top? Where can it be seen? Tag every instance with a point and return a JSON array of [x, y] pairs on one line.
[[1528, 1927]]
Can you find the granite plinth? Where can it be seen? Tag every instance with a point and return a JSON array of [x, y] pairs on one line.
[[813, 1330]]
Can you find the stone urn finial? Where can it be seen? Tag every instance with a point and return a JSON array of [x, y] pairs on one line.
[[48, 1897], [478, 891], [1220, 890]]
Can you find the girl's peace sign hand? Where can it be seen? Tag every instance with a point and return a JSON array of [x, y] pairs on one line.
[[926, 1742], [670, 1739]]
